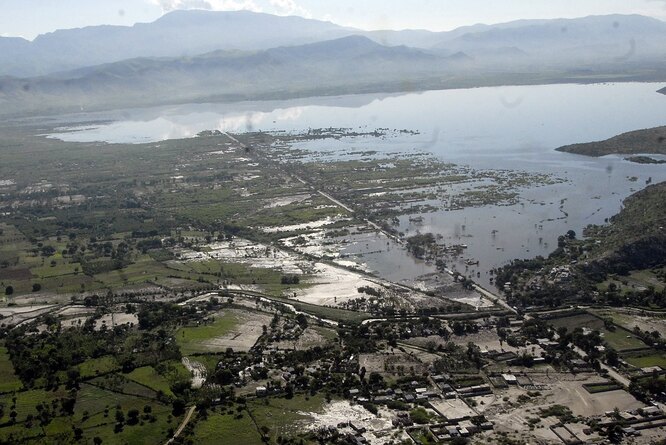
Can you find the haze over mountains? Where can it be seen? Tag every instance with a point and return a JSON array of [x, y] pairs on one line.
[[205, 55]]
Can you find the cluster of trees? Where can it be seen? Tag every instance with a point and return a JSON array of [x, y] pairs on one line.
[[290, 279], [423, 246], [153, 315], [370, 291], [649, 297], [45, 354]]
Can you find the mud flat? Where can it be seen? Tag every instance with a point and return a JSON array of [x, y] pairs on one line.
[[116, 319], [332, 286], [379, 428], [245, 333]]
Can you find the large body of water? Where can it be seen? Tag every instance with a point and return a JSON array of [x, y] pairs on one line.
[[487, 128]]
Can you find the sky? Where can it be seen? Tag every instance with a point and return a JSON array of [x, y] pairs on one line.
[[29, 18]]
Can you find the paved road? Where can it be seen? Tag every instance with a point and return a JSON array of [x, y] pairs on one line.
[[613, 373], [182, 426], [495, 298]]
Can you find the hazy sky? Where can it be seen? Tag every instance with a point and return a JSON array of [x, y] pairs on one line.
[[29, 18]]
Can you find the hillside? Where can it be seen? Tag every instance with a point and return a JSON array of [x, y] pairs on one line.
[[630, 250], [636, 237], [176, 34], [352, 64], [619, 37], [647, 141]]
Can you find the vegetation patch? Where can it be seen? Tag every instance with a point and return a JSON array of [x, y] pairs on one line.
[[594, 388], [192, 339], [9, 381]]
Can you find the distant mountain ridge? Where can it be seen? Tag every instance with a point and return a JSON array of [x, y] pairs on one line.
[[194, 32], [347, 64], [195, 56]]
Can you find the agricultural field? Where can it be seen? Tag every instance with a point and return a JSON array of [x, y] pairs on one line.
[[631, 319], [227, 428], [286, 417], [647, 360], [10, 382], [619, 339], [235, 329]]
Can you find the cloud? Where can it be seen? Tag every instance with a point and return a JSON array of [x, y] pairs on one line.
[[289, 7], [279, 7], [217, 5]]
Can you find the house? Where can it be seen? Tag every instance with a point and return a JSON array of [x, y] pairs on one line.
[[510, 379]]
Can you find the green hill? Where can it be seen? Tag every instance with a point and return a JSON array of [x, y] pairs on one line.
[[651, 140]]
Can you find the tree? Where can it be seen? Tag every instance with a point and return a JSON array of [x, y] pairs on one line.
[[9, 290], [302, 321], [419, 415], [133, 416], [36, 287], [178, 406], [611, 357]]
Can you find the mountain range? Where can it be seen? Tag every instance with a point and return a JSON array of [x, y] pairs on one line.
[[220, 56], [194, 32]]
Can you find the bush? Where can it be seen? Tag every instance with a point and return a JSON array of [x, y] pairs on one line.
[[290, 279], [371, 407], [419, 415]]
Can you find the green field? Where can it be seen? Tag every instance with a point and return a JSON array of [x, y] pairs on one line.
[[9, 381], [95, 401], [226, 429], [594, 388], [620, 339], [285, 416], [26, 401], [191, 339], [329, 313], [147, 376], [97, 366], [645, 361]]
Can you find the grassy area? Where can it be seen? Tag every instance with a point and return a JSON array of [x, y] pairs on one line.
[[467, 380], [329, 313], [636, 280], [210, 361], [619, 339], [192, 339], [149, 377], [26, 401], [571, 322], [285, 416], [101, 405], [648, 360], [226, 429], [594, 388], [97, 366], [8, 381]]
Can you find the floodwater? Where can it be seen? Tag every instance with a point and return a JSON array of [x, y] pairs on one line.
[[514, 127]]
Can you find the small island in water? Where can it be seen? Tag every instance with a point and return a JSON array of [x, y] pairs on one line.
[[639, 142]]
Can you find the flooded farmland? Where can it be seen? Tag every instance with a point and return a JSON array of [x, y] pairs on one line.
[[518, 195]]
